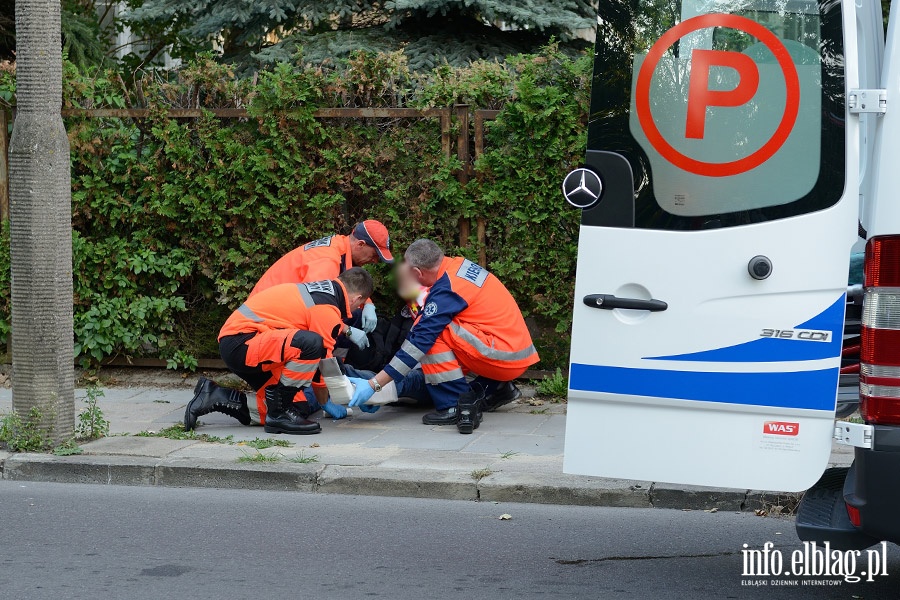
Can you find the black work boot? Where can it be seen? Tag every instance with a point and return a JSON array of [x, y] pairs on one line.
[[448, 416], [506, 393], [470, 416], [282, 417], [209, 397]]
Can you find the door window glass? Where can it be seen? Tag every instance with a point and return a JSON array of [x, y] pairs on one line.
[[730, 112]]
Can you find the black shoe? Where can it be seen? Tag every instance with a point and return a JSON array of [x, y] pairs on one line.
[[470, 415], [209, 397], [442, 417], [282, 417], [506, 393]]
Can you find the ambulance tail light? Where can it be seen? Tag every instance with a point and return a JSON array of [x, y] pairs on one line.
[[879, 374]]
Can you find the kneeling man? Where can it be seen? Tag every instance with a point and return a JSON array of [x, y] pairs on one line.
[[470, 323], [274, 342]]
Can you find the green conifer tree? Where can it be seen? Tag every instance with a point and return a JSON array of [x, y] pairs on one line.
[[428, 31]]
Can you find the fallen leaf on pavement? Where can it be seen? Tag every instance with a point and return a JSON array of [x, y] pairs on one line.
[[535, 402], [505, 517], [712, 510], [314, 445]]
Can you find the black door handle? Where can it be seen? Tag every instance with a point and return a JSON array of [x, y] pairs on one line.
[[609, 302]]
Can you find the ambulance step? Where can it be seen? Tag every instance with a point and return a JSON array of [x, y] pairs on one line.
[[822, 515]]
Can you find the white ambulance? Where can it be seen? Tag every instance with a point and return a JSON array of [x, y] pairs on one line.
[[737, 151]]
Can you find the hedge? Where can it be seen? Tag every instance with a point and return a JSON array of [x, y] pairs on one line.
[[175, 219]]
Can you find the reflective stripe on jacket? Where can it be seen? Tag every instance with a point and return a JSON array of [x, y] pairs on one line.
[[480, 312]]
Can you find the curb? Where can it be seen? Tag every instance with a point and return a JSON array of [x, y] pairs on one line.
[[528, 487]]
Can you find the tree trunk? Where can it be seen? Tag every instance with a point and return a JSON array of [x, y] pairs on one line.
[[41, 226]]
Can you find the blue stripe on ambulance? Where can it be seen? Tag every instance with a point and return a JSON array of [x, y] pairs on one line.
[[780, 350], [802, 389]]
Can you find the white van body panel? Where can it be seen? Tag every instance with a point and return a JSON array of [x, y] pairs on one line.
[[734, 384]]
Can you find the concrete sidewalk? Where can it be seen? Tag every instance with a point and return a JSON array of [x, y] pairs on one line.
[[515, 456]]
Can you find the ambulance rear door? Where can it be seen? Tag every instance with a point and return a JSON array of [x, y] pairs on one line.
[[719, 209]]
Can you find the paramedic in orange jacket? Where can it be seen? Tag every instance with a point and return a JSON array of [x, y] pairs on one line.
[[327, 258], [470, 324], [274, 342]]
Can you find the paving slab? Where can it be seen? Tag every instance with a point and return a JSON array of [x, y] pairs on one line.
[[441, 460], [212, 452], [695, 497], [526, 463], [554, 425], [174, 398], [135, 446], [346, 455], [498, 442], [410, 483], [521, 423], [391, 417], [557, 488], [424, 438], [117, 394]]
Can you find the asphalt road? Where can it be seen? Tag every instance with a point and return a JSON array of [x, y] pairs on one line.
[[71, 541]]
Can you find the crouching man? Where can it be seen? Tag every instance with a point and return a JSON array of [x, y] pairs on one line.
[[470, 324], [274, 342]]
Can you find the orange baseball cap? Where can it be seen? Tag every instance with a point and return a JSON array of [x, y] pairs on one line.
[[375, 234]]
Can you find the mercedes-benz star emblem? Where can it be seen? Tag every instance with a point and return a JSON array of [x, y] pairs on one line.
[[582, 188]]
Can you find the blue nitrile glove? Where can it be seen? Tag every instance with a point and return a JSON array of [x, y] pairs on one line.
[[363, 392], [369, 318], [358, 337], [369, 408], [335, 411]]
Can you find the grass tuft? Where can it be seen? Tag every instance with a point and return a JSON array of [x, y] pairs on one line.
[[177, 432], [556, 386], [479, 474], [304, 460], [263, 443], [259, 457]]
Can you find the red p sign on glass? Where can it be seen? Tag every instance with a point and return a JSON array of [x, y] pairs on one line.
[[700, 96]]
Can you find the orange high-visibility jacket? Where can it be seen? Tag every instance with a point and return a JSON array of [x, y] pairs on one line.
[[479, 311], [320, 260], [319, 306]]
